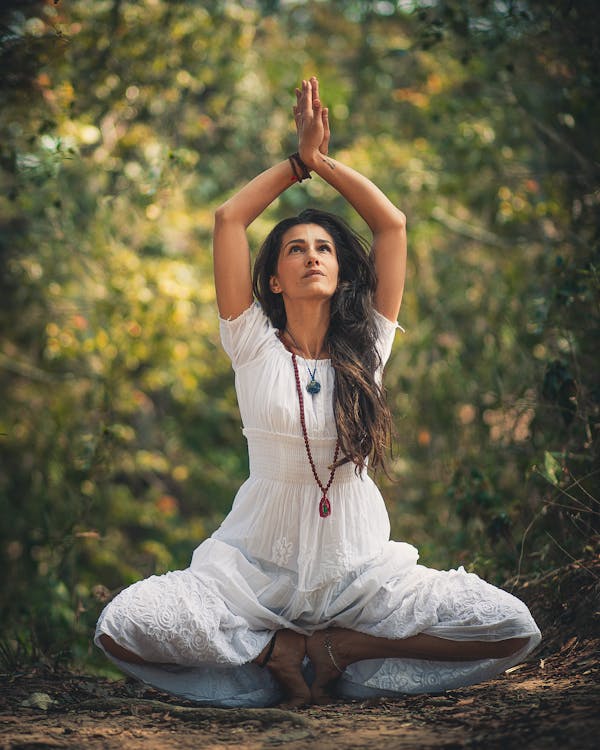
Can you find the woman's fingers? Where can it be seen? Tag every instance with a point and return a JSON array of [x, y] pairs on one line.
[[311, 118], [306, 99], [314, 84], [324, 147]]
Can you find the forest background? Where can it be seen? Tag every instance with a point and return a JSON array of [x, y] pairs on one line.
[[124, 124]]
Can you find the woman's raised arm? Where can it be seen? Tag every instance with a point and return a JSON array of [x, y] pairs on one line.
[[231, 253], [386, 222]]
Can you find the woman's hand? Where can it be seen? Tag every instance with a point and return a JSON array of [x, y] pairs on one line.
[[312, 122]]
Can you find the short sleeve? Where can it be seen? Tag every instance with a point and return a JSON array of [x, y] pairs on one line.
[[245, 337], [386, 332]]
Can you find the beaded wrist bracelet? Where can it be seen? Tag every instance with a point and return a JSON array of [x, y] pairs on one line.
[[299, 168]]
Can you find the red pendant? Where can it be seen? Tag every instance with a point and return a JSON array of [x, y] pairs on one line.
[[324, 507]]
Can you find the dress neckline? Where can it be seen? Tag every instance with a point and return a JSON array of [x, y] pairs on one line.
[[299, 356]]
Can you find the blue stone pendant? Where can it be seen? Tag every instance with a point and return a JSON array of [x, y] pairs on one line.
[[313, 387]]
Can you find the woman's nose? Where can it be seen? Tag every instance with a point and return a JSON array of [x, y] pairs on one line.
[[312, 258]]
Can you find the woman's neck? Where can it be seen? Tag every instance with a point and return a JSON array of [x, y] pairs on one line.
[[306, 329]]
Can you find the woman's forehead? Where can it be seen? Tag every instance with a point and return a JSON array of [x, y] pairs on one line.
[[306, 233]]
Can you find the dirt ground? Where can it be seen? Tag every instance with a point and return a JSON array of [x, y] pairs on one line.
[[550, 701]]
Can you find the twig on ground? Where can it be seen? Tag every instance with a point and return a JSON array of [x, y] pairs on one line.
[[266, 716]]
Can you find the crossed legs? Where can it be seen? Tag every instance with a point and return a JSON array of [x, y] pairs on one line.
[[332, 650]]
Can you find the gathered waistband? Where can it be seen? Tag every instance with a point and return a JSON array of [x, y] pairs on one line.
[[283, 458]]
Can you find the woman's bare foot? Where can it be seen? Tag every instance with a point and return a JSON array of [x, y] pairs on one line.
[[329, 658], [285, 664]]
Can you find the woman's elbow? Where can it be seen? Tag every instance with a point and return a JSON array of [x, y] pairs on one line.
[[228, 215], [222, 214], [394, 224], [399, 219]]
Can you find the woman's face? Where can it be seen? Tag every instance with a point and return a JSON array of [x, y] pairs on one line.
[[307, 267]]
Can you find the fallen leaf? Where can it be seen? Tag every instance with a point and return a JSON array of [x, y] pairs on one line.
[[39, 700]]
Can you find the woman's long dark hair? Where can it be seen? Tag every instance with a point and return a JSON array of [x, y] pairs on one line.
[[362, 417]]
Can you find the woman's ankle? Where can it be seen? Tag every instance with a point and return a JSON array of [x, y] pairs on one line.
[[265, 655]]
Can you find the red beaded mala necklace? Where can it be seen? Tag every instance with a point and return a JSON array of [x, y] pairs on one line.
[[324, 505]]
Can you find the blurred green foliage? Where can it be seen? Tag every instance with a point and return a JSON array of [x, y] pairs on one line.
[[124, 124]]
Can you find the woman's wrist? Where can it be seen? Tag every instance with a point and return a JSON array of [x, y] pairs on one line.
[[309, 157]]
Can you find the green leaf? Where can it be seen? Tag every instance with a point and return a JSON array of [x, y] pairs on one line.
[[552, 468]]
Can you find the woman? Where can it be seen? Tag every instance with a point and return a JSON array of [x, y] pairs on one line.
[[301, 577]]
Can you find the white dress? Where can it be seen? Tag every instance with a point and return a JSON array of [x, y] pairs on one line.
[[275, 563]]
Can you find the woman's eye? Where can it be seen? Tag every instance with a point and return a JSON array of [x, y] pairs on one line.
[[325, 248]]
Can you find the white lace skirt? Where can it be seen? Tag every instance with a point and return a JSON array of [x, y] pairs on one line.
[[199, 632]]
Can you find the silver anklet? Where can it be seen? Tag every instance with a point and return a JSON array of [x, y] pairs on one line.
[[327, 644]]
